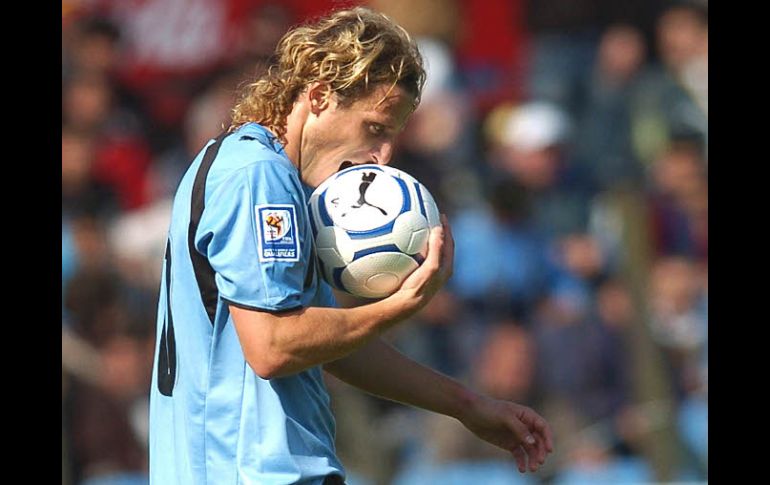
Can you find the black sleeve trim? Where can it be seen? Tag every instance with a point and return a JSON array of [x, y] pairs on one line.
[[258, 309]]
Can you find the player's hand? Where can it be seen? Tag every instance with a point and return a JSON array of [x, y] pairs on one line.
[[434, 272], [512, 427]]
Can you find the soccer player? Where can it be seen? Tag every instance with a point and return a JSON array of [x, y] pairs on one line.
[[245, 324]]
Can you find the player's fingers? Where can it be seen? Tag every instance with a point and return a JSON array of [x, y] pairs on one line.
[[435, 248], [527, 441], [543, 430], [547, 438], [539, 427], [521, 458], [541, 452], [421, 279], [540, 445], [448, 256], [537, 452]]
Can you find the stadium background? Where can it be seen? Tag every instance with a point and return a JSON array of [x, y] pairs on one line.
[[567, 141]]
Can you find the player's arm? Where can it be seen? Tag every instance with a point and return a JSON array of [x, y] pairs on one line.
[[381, 370], [277, 344]]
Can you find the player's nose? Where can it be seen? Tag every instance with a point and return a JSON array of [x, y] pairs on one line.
[[383, 154]]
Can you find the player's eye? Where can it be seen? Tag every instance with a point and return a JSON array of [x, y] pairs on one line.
[[376, 129]]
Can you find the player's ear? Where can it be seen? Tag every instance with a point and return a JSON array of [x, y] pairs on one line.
[[319, 97]]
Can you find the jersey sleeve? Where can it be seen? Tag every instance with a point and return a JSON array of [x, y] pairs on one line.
[[253, 232]]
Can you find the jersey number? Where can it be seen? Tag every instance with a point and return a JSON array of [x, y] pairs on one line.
[[167, 349]]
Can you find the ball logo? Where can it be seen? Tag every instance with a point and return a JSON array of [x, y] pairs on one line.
[[361, 199], [366, 181], [277, 232]]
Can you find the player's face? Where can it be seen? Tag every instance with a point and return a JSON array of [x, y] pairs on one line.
[[362, 132]]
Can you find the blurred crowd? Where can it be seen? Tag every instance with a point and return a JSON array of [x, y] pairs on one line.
[[567, 141]]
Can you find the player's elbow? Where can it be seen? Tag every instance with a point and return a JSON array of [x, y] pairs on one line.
[[269, 364], [259, 338]]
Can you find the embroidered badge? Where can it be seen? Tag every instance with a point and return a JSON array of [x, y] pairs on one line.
[[277, 231]]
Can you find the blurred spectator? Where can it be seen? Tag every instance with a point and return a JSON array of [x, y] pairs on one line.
[[108, 357], [584, 383], [679, 202], [486, 40], [92, 250], [438, 336], [581, 351], [81, 193], [683, 43], [120, 154], [86, 101], [532, 143], [564, 39], [679, 320], [603, 144], [106, 444], [438, 19], [92, 301], [262, 28], [671, 100], [500, 257], [505, 366], [679, 325], [92, 47], [137, 240], [534, 139]]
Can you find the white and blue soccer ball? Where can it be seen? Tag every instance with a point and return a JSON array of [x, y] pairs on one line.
[[371, 225]]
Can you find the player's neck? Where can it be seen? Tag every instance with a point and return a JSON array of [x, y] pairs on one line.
[[295, 124]]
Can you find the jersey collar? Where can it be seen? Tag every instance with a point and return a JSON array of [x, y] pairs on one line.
[[265, 136]]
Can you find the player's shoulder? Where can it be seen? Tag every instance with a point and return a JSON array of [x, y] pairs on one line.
[[251, 144], [251, 152]]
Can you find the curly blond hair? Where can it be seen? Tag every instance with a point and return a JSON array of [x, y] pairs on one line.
[[350, 51]]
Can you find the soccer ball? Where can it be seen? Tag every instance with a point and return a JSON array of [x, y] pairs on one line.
[[371, 225]]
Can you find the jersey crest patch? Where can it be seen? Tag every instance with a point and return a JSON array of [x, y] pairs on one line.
[[277, 232]]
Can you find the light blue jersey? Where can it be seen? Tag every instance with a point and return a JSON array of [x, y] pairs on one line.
[[240, 235]]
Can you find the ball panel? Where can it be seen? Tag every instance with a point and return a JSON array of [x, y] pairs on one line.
[[382, 283], [409, 229], [330, 257], [431, 209], [336, 239], [323, 214], [418, 243], [406, 203], [385, 270]]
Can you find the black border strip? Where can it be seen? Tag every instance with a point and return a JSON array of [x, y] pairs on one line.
[[167, 350], [204, 273]]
